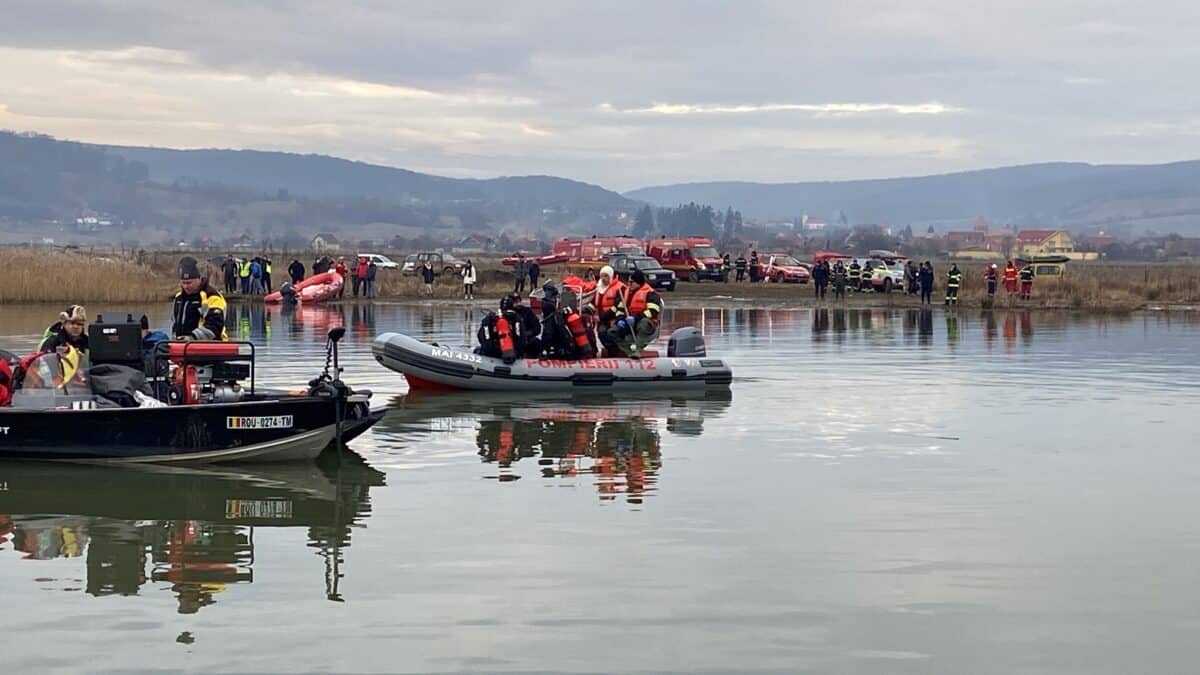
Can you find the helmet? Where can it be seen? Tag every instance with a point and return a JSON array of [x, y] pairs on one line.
[[607, 269], [507, 302], [993, 265]]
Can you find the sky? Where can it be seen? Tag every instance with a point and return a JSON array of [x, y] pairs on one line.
[[619, 93]]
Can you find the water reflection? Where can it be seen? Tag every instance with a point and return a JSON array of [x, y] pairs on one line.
[[617, 442], [190, 528]]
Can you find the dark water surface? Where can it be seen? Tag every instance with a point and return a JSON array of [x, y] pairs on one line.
[[883, 491]]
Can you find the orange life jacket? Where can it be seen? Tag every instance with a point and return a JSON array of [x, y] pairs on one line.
[[609, 298], [1010, 273], [636, 304]]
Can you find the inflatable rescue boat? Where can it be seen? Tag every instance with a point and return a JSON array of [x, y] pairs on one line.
[[317, 288], [433, 366]]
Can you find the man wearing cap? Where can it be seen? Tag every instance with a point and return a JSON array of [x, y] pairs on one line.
[[639, 326], [199, 310], [69, 331]]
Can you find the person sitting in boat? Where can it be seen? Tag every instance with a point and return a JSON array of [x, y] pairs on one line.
[[71, 329], [526, 326], [609, 305], [199, 310], [638, 327]]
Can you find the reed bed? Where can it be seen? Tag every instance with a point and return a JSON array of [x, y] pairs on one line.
[[39, 276]]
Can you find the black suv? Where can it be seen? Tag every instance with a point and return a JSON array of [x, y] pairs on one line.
[[623, 265]]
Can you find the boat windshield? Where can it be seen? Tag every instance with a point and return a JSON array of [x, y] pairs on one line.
[[56, 372]]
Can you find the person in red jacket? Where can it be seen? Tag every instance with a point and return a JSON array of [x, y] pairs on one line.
[[343, 271], [360, 275], [1010, 278]]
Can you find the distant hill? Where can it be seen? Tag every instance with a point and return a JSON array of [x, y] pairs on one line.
[[321, 176], [1165, 197]]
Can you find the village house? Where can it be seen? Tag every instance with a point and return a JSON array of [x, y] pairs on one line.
[[965, 240], [1044, 242], [324, 242]]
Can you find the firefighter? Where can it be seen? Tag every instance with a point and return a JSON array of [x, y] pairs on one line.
[[610, 305], [839, 281], [525, 326], [855, 275], [954, 279], [1010, 278], [992, 276], [640, 324], [726, 267], [198, 310], [740, 266], [1026, 281]]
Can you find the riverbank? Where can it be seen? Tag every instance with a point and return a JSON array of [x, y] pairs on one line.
[[40, 277]]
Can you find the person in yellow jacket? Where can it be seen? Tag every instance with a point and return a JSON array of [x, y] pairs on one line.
[[199, 309], [244, 275]]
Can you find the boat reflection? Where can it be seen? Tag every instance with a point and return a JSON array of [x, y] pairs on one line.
[[615, 441], [191, 528]]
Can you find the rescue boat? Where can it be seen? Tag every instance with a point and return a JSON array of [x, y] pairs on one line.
[[203, 406], [317, 288], [437, 367]]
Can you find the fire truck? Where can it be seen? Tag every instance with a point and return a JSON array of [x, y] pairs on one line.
[[691, 258]]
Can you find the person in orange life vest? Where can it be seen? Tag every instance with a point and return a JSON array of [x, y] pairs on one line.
[[610, 306], [360, 274], [640, 324], [1010, 278]]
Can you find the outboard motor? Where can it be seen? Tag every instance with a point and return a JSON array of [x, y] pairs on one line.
[[686, 342]]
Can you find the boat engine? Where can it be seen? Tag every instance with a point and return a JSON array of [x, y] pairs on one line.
[[686, 342]]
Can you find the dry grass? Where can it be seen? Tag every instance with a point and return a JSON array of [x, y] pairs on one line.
[[1109, 287], [34, 276]]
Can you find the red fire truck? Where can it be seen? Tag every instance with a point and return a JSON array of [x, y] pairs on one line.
[[691, 258]]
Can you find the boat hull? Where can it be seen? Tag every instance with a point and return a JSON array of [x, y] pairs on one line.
[[291, 429], [430, 366]]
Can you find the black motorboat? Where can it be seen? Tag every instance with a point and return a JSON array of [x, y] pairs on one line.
[[203, 407]]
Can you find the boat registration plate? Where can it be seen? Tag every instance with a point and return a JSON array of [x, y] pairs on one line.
[[237, 509], [269, 422]]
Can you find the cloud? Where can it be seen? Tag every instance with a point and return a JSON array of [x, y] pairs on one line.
[[618, 92], [932, 108]]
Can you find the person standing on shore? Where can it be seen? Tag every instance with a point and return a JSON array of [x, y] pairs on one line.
[[266, 274], [839, 280], [1026, 281], [954, 279], [343, 272], [925, 277], [427, 276], [740, 266], [244, 275], [820, 277], [855, 275], [256, 277], [992, 276], [372, 269], [468, 279], [726, 268], [1010, 278], [296, 271], [360, 276], [755, 267], [229, 268], [535, 271], [911, 275], [519, 274]]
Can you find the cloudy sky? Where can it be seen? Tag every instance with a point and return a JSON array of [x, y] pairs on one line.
[[620, 93]]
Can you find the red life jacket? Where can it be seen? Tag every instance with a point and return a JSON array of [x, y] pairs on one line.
[[1010, 273], [6, 384], [583, 342], [507, 348]]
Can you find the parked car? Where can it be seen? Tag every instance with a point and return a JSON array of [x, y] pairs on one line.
[[782, 268], [443, 263], [656, 275], [883, 275], [381, 261]]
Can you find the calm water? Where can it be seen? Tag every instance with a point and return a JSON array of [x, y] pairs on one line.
[[883, 491]]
